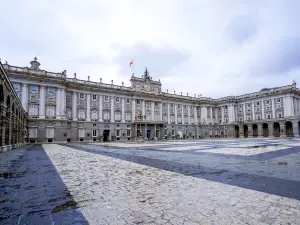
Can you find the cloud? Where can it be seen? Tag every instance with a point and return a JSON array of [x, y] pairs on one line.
[[215, 48]]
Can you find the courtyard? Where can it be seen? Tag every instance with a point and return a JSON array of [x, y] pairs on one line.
[[223, 181]]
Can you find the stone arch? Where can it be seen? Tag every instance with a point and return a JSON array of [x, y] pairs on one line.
[[255, 130], [246, 131], [276, 128], [237, 131], [265, 128], [289, 129]]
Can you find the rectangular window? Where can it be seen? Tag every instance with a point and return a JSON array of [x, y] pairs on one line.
[[33, 110], [117, 116], [268, 102], [138, 102], [173, 132], [156, 103], [278, 100], [226, 120], [171, 105], [128, 133], [118, 133], [249, 105], [249, 118], [50, 111], [94, 97], [94, 133], [81, 95], [117, 99], [94, 125], [184, 106], [279, 115], [34, 89], [128, 117], [106, 98], [258, 117], [269, 116], [178, 106], [32, 132], [240, 106], [127, 100], [81, 114], [81, 133]]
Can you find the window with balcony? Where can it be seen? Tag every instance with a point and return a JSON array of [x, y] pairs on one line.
[[50, 111], [33, 110], [81, 114], [106, 115], [128, 116], [172, 118], [94, 115], [117, 116]]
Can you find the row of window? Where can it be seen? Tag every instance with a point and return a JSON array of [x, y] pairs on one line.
[[268, 116], [278, 100]]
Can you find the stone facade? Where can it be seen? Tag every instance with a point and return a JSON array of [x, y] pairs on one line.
[[13, 117], [63, 109]]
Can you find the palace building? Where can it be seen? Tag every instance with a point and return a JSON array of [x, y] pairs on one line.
[[67, 109]]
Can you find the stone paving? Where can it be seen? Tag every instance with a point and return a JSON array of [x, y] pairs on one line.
[[246, 181]]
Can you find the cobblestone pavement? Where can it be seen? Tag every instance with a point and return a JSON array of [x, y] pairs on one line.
[[247, 181]]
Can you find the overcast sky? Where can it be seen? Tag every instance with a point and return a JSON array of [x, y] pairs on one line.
[[210, 47]]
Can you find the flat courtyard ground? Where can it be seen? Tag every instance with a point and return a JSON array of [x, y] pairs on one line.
[[229, 181]]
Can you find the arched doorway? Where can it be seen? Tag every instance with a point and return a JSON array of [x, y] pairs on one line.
[[289, 129], [237, 131], [265, 127], [255, 130], [246, 132], [276, 127]]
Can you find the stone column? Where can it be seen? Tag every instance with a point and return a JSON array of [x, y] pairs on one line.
[[273, 108], [169, 121], [175, 113], [123, 110], [74, 106], [211, 114], [112, 109], [88, 107], [222, 114], [244, 107], [155, 132], [182, 114], [58, 104], [161, 114], [42, 103], [260, 130], [133, 110], [271, 130], [62, 103], [189, 114], [282, 130], [250, 131], [100, 108], [152, 110], [262, 110], [195, 115], [25, 97], [296, 129], [253, 111]]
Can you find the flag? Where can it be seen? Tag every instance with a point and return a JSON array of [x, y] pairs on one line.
[[131, 63]]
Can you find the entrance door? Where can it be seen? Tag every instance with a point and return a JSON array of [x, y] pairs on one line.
[[148, 134], [106, 135]]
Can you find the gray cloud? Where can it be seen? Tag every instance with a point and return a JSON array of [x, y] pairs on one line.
[[241, 28], [158, 60]]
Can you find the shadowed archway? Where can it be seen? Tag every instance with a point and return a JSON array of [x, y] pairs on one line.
[[236, 131], [246, 131], [276, 128], [289, 129], [265, 128]]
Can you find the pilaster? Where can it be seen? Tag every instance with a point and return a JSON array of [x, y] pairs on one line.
[[88, 107], [42, 103], [74, 106], [123, 110], [112, 109], [100, 108], [152, 110], [58, 104], [169, 121]]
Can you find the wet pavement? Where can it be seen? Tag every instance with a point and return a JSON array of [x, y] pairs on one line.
[[249, 181], [32, 192]]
